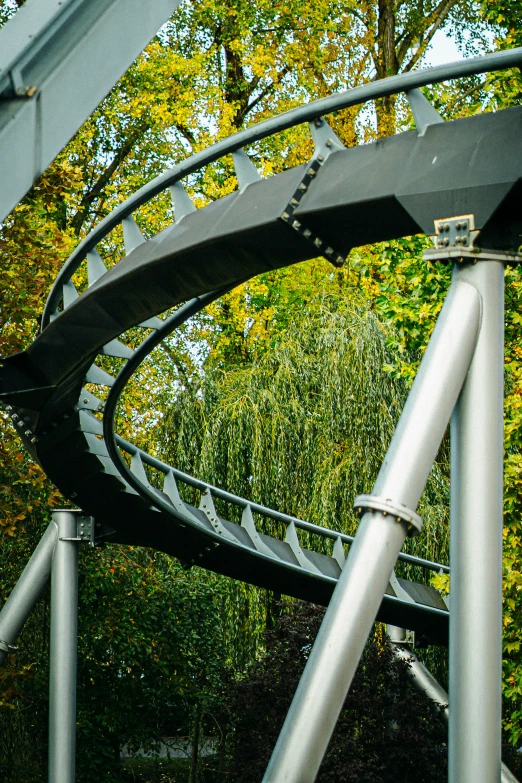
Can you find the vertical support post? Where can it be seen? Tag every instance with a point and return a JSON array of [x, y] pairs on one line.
[[62, 664], [351, 613], [476, 543]]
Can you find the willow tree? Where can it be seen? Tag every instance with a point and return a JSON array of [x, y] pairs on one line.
[[303, 427]]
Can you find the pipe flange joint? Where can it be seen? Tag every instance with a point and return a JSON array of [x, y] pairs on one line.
[[7, 648], [387, 506]]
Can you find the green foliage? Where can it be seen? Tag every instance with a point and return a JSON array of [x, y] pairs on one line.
[[150, 647]]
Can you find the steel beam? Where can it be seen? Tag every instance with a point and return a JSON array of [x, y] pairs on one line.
[[58, 60], [348, 620], [63, 646], [26, 592], [476, 543]]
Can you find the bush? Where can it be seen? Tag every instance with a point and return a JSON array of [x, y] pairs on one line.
[[387, 732]]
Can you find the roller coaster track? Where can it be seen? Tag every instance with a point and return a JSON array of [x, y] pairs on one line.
[[341, 199]]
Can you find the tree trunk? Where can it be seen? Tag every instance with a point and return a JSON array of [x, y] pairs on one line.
[[386, 65], [193, 776]]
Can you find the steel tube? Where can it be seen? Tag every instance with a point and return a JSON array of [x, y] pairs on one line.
[[62, 664], [476, 544], [348, 620], [27, 591], [423, 679]]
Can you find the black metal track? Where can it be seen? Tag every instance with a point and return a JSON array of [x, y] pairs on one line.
[[342, 199]]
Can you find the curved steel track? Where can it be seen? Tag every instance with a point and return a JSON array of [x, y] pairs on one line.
[[341, 199]]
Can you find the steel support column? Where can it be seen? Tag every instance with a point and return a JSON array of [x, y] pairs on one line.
[[335, 655], [476, 543], [62, 663], [26, 592]]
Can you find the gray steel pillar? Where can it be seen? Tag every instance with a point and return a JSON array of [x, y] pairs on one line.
[[476, 543], [62, 664], [350, 615], [26, 592]]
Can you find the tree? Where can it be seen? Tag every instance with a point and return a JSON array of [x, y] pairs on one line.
[[150, 648]]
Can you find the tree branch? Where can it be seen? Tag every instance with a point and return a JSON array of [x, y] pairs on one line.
[[267, 90], [103, 180], [433, 20]]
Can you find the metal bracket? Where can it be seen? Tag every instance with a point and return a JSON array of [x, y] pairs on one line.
[[387, 506], [207, 506], [300, 555], [423, 112], [399, 590], [85, 530], [455, 232], [20, 90], [454, 240], [325, 139], [326, 142]]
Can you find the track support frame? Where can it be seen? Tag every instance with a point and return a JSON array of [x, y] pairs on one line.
[[461, 376], [352, 610]]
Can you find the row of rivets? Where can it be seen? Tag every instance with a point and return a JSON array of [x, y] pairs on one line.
[[287, 217], [21, 422]]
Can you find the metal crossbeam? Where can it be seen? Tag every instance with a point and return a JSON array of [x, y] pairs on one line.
[[58, 60]]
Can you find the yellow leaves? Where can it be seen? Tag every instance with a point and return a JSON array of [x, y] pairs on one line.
[[441, 582], [9, 678], [55, 497]]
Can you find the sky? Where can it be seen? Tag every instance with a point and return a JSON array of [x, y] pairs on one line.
[[443, 50]]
